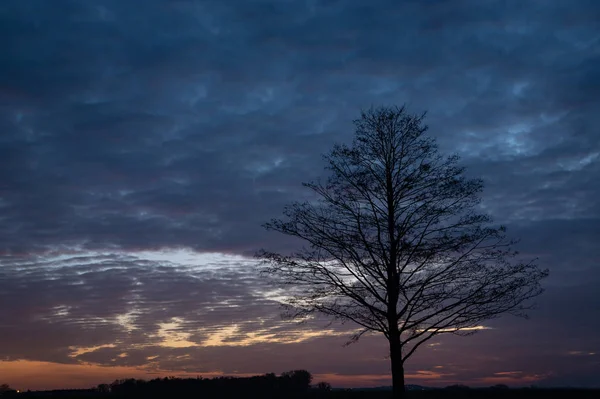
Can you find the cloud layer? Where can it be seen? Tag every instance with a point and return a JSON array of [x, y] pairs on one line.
[[141, 149]]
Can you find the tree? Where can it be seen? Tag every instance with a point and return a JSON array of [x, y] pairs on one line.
[[395, 242], [104, 388], [297, 380], [6, 390], [323, 386]]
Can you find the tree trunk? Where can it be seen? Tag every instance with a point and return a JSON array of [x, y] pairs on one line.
[[397, 367]]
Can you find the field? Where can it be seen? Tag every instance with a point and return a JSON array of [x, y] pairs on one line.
[[335, 394]]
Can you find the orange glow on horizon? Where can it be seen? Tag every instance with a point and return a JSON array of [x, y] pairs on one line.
[[35, 375]]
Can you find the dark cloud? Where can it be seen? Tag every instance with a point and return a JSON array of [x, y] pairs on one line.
[[186, 125]]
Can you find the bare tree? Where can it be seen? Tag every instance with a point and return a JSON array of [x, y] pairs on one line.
[[323, 386], [396, 243], [6, 389]]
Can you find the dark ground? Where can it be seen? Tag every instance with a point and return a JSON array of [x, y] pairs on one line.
[[337, 394]]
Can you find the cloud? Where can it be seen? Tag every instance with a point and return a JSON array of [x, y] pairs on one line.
[[122, 309], [182, 126]]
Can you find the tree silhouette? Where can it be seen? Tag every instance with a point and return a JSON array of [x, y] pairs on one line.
[[6, 390], [395, 243], [298, 380], [104, 388], [288, 384], [323, 386]]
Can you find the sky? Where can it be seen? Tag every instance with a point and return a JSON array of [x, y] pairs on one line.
[[143, 144]]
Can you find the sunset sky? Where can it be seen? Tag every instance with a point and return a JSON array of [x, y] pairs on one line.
[[143, 144]]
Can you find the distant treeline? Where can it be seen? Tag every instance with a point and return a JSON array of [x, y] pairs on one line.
[[288, 383]]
